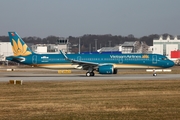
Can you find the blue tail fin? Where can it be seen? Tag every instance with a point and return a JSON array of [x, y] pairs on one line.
[[19, 47]]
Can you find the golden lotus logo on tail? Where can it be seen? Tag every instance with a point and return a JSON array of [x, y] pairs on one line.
[[19, 49]]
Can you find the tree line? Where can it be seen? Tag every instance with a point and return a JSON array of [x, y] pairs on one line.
[[88, 40]]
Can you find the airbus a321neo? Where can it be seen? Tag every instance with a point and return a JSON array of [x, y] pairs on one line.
[[102, 63]]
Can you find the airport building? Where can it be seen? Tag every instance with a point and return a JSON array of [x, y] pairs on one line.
[[61, 44], [130, 47], [5, 50], [127, 47], [166, 46]]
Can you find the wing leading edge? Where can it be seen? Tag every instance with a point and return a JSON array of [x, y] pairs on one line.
[[84, 64]]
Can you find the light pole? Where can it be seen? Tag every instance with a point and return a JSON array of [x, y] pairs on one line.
[[95, 44], [109, 43], [79, 45], [89, 48]]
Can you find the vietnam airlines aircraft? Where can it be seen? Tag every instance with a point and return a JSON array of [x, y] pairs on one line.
[[103, 63]]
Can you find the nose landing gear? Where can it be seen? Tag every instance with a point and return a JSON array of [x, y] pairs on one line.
[[154, 72]]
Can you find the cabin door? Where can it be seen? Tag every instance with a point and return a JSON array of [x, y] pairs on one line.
[[154, 59], [79, 58], [34, 59], [120, 60]]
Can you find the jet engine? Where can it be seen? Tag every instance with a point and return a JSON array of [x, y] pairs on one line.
[[107, 69]]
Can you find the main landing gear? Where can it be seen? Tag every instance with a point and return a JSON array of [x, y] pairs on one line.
[[90, 74]]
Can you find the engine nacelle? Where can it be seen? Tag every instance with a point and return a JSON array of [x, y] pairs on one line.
[[107, 69]]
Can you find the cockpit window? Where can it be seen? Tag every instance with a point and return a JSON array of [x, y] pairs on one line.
[[164, 58]]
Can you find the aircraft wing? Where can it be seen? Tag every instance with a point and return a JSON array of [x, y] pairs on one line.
[[84, 64]]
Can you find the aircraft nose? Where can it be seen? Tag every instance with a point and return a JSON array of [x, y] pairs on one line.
[[171, 63]]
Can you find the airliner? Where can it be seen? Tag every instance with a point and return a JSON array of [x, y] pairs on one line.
[[102, 63]]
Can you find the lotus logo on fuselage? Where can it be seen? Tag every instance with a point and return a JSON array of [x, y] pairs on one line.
[[145, 56]]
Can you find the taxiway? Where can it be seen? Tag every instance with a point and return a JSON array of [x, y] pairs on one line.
[[35, 76]]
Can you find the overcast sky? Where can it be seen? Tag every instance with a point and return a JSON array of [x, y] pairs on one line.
[[65, 18]]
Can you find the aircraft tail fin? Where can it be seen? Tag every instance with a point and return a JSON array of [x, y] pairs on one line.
[[19, 47]]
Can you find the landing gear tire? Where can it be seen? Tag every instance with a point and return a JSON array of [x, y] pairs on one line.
[[89, 74], [154, 74], [92, 73]]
